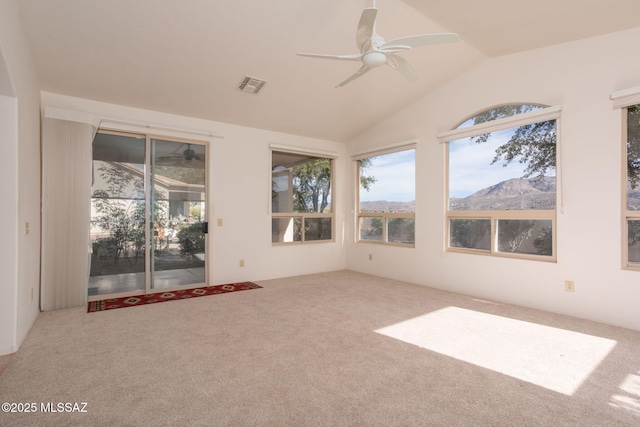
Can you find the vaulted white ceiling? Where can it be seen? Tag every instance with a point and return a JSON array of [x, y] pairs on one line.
[[187, 57]]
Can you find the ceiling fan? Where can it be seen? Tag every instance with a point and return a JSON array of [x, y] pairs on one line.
[[375, 51], [188, 158]]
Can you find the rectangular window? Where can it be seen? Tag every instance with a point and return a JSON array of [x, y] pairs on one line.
[[631, 192], [502, 190], [470, 233], [528, 236], [386, 198], [301, 198]]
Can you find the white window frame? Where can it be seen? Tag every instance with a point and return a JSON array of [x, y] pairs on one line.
[[303, 216], [536, 116], [384, 216]]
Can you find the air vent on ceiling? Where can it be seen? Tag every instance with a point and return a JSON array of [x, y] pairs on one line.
[[251, 85]]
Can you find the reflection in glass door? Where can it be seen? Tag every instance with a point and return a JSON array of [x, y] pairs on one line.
[[118, 212], [178, 213], [148, 220]]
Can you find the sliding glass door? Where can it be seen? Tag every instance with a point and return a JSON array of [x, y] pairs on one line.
[[178, 212], [118, 209], [148, 215]]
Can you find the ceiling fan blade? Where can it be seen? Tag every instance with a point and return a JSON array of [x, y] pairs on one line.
[[354, 57], [364, 69], [418, 41], [180, 161], [366, 26], [399, 63]]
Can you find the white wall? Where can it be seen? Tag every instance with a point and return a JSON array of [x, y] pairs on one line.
[[579, 77], [9, 194], [240, 170], [20, 174]]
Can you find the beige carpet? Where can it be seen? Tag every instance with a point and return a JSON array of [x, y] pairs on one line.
[[334, 349]]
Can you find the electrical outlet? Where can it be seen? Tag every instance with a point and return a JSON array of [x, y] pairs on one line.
[[26, 228], [569, 286], [219, 222], [370, 257], [241, 263]]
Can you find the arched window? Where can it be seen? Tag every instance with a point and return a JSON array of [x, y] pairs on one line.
[[500, 112], [501, 197]]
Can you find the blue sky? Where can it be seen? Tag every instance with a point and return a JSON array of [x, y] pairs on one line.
[[395, 178], [470, 170], [470, 167]]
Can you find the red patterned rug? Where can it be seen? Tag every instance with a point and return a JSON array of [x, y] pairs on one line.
[[110, 304]]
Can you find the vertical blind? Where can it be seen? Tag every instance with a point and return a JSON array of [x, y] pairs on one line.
[[66, 191]]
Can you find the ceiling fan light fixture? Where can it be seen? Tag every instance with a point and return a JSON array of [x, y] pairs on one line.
[[374, 59]]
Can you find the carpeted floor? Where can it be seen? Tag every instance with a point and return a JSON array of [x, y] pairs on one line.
[[334, 349]]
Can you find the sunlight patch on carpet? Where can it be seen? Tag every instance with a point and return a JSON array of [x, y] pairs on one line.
[[628, 397], [553, 358]]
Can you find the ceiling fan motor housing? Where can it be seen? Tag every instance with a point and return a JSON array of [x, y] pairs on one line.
[[374, 59], [189, 154]]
